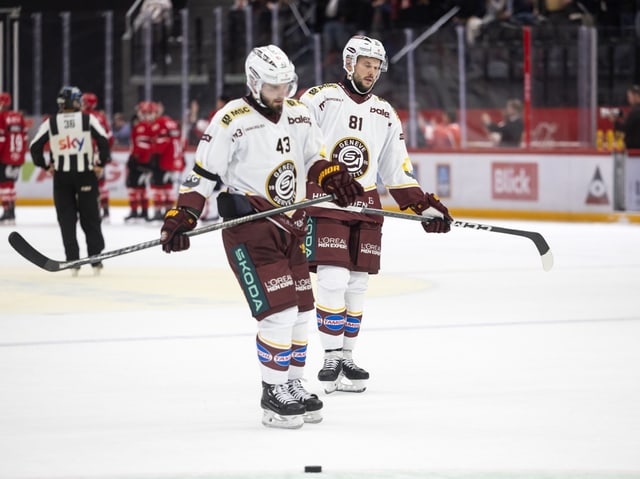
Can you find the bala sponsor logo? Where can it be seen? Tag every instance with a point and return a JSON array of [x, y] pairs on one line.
[[379, 111], [299, 119], [514, 181]]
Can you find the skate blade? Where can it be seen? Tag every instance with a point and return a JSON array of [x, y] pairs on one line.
[[351, 385], [330, 386], [275, 420], [312, 417]]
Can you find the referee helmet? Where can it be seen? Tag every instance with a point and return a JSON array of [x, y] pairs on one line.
[[69, 98]]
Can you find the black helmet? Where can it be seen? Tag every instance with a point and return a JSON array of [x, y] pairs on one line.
[[69, 98]]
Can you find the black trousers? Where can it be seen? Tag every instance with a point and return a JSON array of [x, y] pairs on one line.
[[76, 197]]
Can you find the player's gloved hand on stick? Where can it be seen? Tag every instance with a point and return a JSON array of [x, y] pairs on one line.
[[335, 180], [176, 222], [431, 206]]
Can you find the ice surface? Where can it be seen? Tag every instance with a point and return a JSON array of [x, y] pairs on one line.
[[482, 364]]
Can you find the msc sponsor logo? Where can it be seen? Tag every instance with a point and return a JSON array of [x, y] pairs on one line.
[[231, 115], [316, 89], [514, 181]]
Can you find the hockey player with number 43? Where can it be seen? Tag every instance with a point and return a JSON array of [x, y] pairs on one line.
[[265, 147], [363, 133]]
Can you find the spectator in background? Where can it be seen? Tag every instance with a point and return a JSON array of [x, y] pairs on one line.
[[631, 125], [121, 130], [442, 134], [335, 20], [160, 15], [236, 33], [508, 132], [525, 12]]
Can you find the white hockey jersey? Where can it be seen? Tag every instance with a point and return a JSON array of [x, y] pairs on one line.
[[255, 156], [367, 137]]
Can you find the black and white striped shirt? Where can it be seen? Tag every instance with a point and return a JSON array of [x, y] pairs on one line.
[[70, 136]]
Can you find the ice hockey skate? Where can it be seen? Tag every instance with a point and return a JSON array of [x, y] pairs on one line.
[[340, 373], [354, 378], [97, 268], [312, 404], [280, 408], [8, 216]]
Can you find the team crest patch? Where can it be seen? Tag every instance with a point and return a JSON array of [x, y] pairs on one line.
[[281, 185], [353, 154]]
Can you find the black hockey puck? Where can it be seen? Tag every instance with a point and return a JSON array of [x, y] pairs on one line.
[[312, 468]]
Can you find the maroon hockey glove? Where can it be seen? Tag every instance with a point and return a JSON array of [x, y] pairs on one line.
[[176, 222], [431, 206], [335, 180]]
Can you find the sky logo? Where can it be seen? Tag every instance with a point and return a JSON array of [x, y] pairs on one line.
[[68, 143]]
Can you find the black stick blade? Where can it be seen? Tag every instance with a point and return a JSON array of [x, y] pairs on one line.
[[31, 254]]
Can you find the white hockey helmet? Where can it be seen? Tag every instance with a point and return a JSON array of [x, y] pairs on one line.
[[359, 45], [272, 66]]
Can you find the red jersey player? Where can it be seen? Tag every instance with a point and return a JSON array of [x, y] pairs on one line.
[[138, 166], [167, 163], [13, 147], [89, 104]]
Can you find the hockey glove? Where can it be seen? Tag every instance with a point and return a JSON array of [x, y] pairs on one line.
[[176, 222], [431, 206], [335, 180]]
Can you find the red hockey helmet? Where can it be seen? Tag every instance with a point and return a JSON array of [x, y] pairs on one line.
[[5, 99], [89, 101]]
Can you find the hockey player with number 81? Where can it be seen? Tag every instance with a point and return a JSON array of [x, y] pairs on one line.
[[362, 132]]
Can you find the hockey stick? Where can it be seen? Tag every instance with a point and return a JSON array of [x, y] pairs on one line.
[[25, 249], [537, 238]]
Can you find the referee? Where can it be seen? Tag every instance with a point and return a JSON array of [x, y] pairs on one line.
[[75, 171]]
